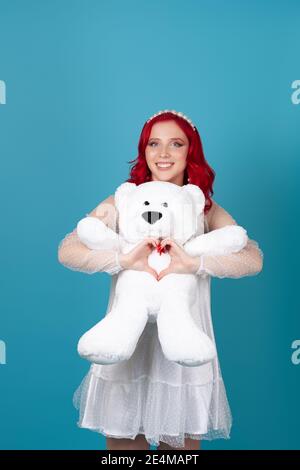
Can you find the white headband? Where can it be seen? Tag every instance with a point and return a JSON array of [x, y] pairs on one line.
[[177, 113]]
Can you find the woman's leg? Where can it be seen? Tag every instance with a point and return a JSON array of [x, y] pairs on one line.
[[189, 444], [139, 443]]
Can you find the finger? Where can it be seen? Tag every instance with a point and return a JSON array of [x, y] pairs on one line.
[[151, 241], [174, 246], [166, 240], [169, 241], [152, 271], [163, 273], [147, 244]]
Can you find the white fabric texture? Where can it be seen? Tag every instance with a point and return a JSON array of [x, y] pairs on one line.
[[77, 257], [247, 262], [148, 394], [73, 254]]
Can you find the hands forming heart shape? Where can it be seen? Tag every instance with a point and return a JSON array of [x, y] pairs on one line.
[[181, 262]]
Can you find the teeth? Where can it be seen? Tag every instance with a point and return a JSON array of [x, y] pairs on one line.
[[164, 165]]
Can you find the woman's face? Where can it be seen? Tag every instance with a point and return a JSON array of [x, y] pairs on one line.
[[166, 152]]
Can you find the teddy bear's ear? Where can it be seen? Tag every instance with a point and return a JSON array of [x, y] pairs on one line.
[[122, 192], [197, 196]]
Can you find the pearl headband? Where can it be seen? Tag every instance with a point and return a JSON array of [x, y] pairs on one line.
[[177, 113]]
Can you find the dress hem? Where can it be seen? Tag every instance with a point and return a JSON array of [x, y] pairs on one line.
[[87, 393], [153, 441]]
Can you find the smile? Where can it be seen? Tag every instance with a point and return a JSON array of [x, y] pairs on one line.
[[164, 166]]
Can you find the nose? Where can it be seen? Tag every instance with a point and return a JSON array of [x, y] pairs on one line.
[[152, 216]]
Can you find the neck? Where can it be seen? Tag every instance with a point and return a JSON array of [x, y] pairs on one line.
[[176, 180]]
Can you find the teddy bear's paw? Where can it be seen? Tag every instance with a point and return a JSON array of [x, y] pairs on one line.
[[102, 356], [197, 360], [193, 362], [93, 232], [104, 359], [101, 351], [193, 353]]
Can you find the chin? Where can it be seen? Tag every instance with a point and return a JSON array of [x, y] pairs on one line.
[[164, 176]]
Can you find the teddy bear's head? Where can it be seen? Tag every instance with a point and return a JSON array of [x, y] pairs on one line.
[[159, 209]]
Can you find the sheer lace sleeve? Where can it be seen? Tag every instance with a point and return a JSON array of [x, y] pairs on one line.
[[73, 254], [246, 262]]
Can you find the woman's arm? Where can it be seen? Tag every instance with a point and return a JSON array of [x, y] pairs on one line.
[[73, 254], [246, 262]]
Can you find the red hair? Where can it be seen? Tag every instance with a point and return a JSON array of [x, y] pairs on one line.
[[197, 169]]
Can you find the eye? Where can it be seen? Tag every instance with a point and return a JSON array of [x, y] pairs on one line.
[[146, 203], [165, 204]]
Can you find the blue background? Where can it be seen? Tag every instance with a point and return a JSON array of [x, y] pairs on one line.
[[81, 79]]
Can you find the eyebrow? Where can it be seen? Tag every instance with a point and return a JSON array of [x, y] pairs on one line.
[[172, 138]]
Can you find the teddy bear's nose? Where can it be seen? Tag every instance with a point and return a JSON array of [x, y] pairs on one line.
[[152, 216]]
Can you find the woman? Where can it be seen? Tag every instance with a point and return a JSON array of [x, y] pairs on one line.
[[148, 399]]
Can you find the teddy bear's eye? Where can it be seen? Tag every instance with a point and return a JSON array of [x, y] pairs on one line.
[[146, 203], [165, 204]]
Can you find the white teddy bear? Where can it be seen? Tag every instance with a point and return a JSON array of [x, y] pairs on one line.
[[159, 210]]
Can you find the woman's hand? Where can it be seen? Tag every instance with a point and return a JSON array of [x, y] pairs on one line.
[[137, 258], [181, 262]]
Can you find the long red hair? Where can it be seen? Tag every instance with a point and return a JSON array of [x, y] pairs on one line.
[[197, 169]]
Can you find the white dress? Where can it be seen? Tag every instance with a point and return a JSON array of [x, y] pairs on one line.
[[151, 395], [148, 394]]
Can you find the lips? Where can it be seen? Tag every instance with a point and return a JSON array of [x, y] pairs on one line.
[[164, 166]]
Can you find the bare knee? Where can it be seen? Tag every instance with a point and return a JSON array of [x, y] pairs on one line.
[[139, 443], [189, 444]]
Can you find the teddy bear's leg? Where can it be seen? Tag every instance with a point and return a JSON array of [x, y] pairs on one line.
[[181, 339], [115, 337]]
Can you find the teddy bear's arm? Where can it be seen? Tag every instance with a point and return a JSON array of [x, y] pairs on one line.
[[246, 262], [73, 254], [224, 240], [96, 235]]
